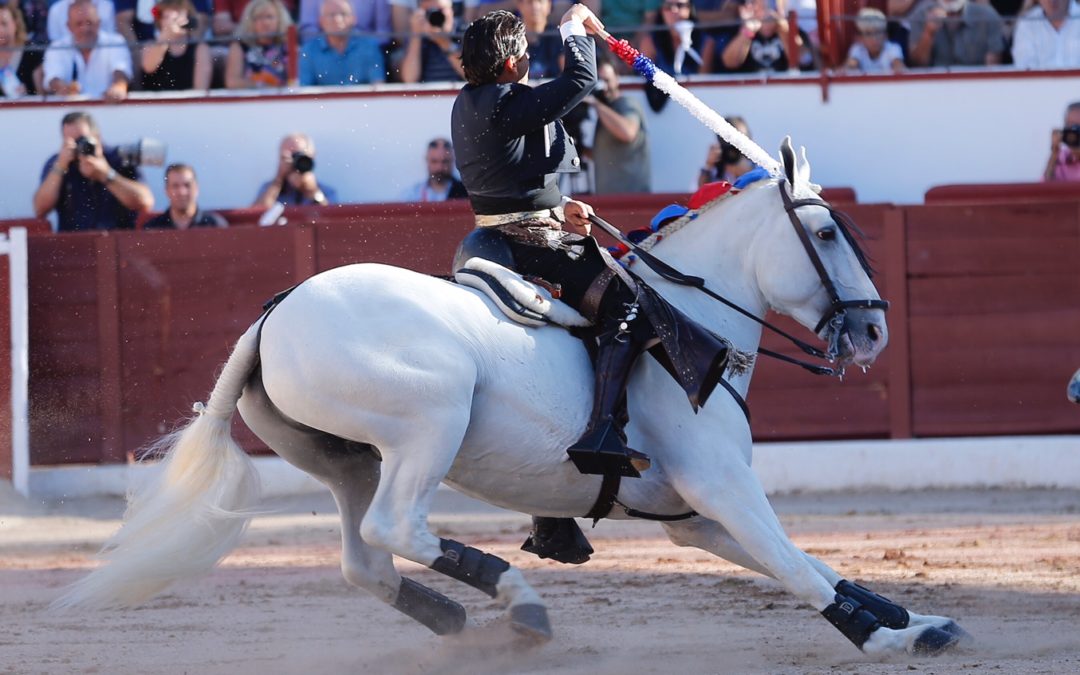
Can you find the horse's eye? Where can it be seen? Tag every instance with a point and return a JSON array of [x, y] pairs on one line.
[[826, 234]]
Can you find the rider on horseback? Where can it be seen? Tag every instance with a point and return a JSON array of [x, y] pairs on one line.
[[510, 148]]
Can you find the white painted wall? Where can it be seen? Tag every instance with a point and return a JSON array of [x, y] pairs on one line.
[[889, 140]]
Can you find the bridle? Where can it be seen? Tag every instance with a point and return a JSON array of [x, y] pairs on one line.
[[833, 316]]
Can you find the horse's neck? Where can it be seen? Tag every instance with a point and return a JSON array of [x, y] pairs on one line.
[[717, 247]]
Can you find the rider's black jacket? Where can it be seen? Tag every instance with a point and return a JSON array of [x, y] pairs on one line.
[[508, 139]]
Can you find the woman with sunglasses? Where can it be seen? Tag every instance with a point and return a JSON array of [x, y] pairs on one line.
[[676, 46]]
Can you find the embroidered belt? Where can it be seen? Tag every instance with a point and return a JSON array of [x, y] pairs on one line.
[[555, 213]]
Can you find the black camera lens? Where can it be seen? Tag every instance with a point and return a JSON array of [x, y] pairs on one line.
[[85, 145], [436, 17], [1070, 136], [302, 162]]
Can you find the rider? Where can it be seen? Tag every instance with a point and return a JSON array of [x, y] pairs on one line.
[[510, 147]]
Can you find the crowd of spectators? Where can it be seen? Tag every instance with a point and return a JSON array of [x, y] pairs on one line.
[[106, 48]]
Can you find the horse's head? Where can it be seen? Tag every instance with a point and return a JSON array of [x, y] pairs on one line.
[[810, 267]]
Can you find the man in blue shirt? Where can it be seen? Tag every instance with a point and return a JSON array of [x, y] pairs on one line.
[[338, 57], [89, 185]]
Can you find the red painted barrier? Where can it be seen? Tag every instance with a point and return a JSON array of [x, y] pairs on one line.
[[129, 328]]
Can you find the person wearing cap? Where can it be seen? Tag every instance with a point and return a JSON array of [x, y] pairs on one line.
[[872, 52]]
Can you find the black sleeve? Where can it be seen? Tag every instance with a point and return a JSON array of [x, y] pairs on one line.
[[529, 108]]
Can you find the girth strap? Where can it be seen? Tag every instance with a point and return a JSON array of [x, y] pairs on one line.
[[608, 498]]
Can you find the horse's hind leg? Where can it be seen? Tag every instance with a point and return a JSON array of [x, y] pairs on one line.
[[351, 471], [396, 521]]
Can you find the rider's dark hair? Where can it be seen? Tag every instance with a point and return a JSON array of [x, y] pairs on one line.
[[488, 43]]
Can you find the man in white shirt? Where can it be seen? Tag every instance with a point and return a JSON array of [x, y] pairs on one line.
[[89, 61], [56, 25], [1048, 36]]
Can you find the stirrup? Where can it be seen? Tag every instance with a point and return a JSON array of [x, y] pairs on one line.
[[601, 451], [559, 539]]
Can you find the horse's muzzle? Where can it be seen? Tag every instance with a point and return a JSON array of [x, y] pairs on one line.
[[863, 335]]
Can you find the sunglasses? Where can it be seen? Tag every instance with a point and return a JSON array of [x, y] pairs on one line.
[[674, 6], [871, 33]]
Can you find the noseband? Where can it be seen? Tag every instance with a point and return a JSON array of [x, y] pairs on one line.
[[833, 315]]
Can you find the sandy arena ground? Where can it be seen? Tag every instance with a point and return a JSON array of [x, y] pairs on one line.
[[1004, 563]]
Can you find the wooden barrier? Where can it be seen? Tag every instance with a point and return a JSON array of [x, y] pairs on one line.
[[129, 328]]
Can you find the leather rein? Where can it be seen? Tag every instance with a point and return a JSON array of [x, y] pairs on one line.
[[833, 317]]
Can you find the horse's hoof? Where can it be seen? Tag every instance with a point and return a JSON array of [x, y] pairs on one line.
[[531, 623], [934, 642], [964, 638]]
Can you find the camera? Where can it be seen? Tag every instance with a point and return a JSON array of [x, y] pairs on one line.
[[84, 145], [729, 154], [1070, 136], [143, 152], [600, 93], [436, 17], [302, 162]]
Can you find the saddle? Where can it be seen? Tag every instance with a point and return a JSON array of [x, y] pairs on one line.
[[521, 300]]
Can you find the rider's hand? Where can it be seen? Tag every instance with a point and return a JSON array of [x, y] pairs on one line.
[[585, 15], [577, 215]]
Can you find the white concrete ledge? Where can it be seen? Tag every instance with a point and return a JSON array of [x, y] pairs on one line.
[[1001, 461]]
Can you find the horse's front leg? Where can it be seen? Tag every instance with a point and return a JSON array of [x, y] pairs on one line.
[[711, 536], [720, 486]]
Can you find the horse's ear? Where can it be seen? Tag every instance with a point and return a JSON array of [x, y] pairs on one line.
[[787, 158], [802, 170]]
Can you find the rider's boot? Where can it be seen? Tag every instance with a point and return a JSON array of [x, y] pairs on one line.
[[559, 539], [602, 449]]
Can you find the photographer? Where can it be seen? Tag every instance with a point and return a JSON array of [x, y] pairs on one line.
[[295, 181], [724, 161], [1064, 162], [431, 53], [620, 148], [88, 184]]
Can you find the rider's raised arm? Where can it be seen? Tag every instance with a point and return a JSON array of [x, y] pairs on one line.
[[530, 107]]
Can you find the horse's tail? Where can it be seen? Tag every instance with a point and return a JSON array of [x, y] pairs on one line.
[[193, 511]]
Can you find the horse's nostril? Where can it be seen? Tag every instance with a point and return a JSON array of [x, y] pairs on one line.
[[873, 332]]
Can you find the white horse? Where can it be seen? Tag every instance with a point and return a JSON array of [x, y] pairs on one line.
[[382, 383]]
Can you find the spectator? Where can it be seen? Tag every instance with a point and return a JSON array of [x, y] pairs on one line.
[[1048, 36], [872, 52], [137, 21], [182, 189], [35, 14], [1064, 162], [955, 33], [174, 62], [724, 162], [59, 11], [19, 68], [88, 184], [339, 56], [474, 9], [761, 42], [229, 14], [678, 48], [295, 181], [625, 16], [545, 49], [621, 147], [669, 47], [431, 52], [89, 60], [372, 16], [440, 184], [259, 56]]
